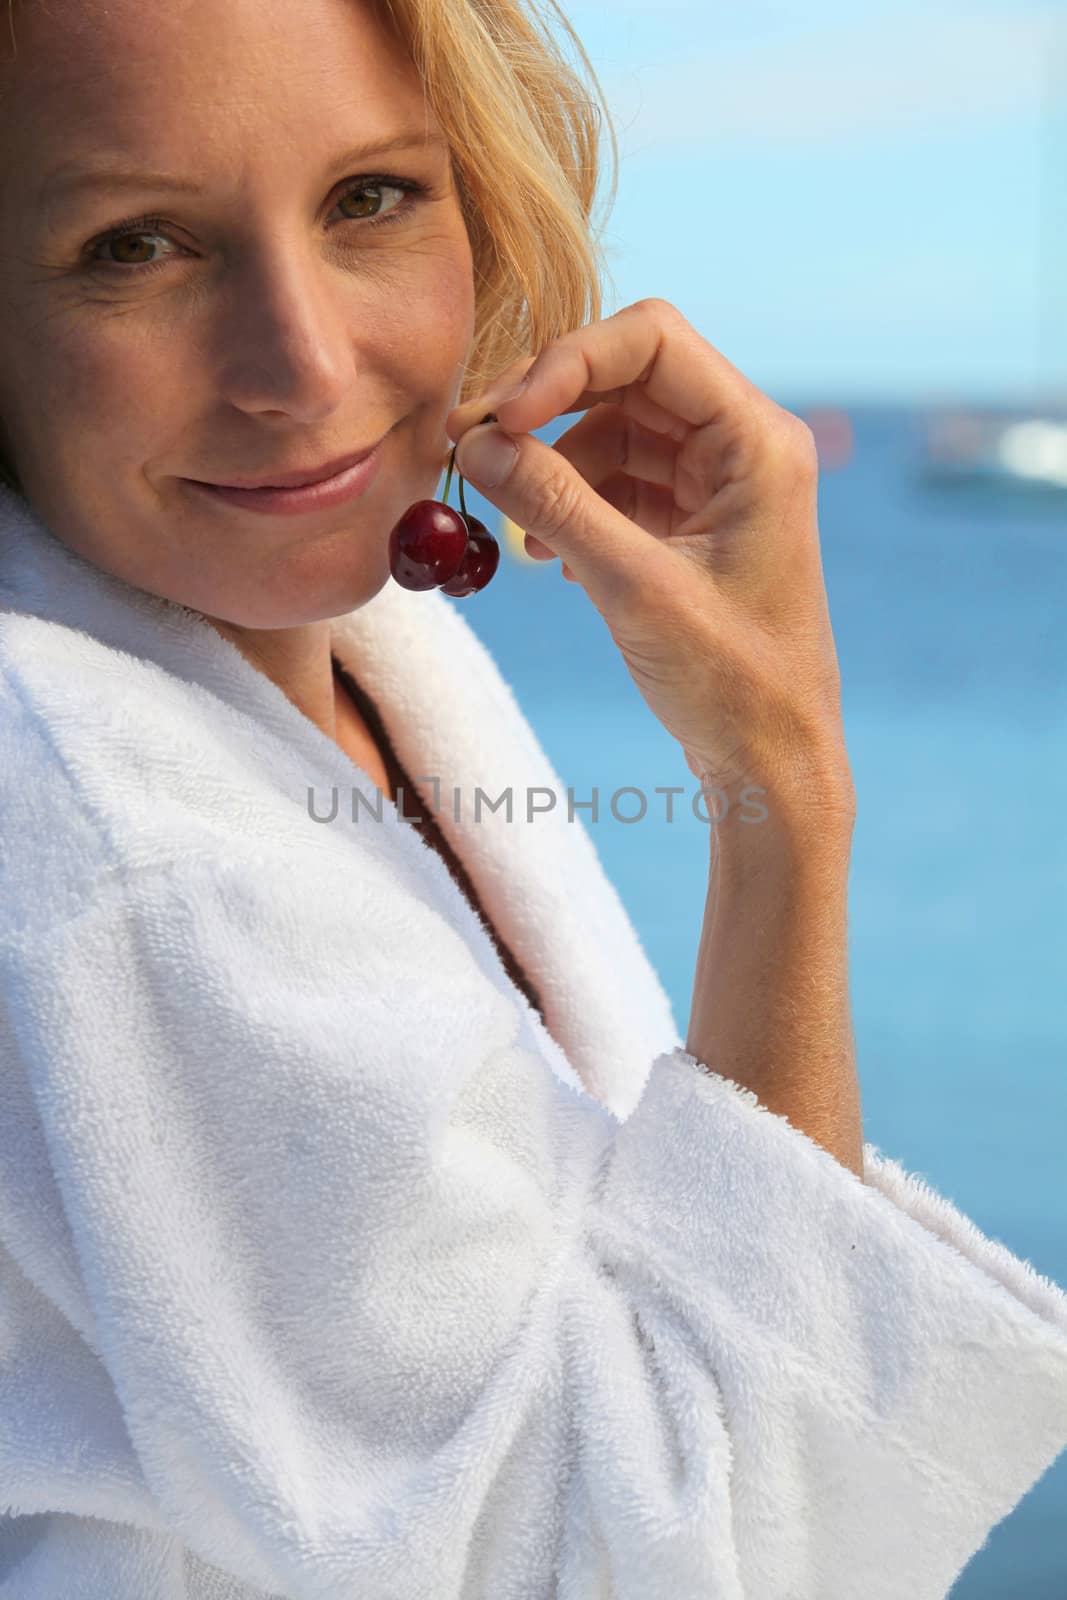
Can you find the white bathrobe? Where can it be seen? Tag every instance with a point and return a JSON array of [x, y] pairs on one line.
[[328, 1271]]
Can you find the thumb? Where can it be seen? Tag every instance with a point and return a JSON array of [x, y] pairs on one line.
[[549, 499]]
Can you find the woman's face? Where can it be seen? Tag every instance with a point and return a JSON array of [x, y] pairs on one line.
[[264, 322]]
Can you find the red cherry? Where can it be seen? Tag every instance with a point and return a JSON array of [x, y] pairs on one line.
[[434, 547], [480, 561], [427, 545]]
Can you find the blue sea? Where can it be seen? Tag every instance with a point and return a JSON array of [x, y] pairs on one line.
[[949, 609]]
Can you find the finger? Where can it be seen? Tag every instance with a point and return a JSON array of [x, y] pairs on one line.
[[469, 412], [637, 403], [607, 440], [543, 494], [647, 504], [634, 401], [617, 490], [649, 345]]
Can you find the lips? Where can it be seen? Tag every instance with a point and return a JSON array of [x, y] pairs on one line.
[[308, 499], [293, 479]]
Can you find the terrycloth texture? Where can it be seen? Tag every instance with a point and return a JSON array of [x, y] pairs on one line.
[[328, 1272]]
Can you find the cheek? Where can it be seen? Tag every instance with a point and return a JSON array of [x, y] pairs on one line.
[[436, 326], [99, 376], [87, 409]]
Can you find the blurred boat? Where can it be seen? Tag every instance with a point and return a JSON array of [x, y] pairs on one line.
[[1022, 453]]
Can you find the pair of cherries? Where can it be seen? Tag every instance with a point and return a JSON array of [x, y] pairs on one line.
[[434, 546]]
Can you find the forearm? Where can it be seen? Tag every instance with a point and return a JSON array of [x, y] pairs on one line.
[[770, 1005]]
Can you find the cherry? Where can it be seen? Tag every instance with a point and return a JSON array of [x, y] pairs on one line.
[[435, 547], [480, 561], [427, 545]]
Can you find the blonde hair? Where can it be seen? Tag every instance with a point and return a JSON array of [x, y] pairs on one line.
[[527, 130], [527, 137]]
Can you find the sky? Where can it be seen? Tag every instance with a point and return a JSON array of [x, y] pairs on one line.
[[854, 203]]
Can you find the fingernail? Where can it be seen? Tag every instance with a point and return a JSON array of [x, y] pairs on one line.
[[486, 456], [511, 394], [495, 398]]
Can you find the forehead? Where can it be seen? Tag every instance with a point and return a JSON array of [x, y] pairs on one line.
[[184, 84]]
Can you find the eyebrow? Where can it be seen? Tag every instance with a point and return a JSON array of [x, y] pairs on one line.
[[73, 177]]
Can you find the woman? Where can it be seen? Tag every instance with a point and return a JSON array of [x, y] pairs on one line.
[[365, 1227]]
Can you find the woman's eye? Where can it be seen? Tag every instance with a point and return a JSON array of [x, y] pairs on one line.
[[119, 240], [367, 198], [362, 190]]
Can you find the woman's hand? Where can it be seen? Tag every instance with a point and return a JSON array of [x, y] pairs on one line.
[[685, 505]]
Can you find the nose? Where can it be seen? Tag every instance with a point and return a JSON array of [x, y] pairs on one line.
[[284, 337]]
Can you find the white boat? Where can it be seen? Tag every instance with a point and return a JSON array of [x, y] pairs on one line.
[[1025, 452]]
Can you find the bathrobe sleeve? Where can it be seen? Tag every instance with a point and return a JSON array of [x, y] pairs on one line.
[[388, 1310]]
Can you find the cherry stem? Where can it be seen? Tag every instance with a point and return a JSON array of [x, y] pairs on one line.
[[451, 463]]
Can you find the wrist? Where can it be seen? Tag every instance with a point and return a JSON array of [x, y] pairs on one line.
[[802, 813]]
